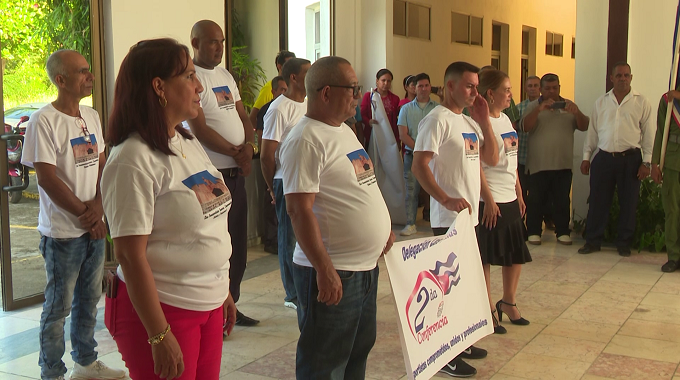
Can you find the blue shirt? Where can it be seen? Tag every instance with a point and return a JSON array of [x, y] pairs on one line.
[[411, 114]]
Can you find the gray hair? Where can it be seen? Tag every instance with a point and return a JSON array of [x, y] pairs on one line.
[[55, 64], [323, 73]]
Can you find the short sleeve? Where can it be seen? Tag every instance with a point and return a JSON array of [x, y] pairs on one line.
[[301, 165], [264, 96], [39, 144], [429, 136], [128, 196], [274, 122], [402, 116]]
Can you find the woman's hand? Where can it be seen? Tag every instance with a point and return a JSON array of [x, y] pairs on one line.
[[168, 361], [229, 310], [491, 214], [522, 206]]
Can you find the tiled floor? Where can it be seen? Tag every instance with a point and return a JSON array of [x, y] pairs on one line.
[[598, 316]]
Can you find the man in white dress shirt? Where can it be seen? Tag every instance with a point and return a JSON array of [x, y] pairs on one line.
[[621, 128]]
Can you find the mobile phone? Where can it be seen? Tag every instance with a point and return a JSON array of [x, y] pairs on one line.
[[434, 89], [558, 105]]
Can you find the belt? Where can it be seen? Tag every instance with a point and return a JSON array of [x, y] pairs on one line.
[[625, 153], [230, 172]]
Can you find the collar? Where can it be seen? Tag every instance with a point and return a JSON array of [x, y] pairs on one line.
[[631, 93], [415, 101], [540, 99]]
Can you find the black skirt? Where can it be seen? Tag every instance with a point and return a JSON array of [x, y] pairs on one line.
[[504, 244]]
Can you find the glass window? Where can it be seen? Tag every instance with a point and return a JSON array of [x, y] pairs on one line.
[[399, 15], [558, 42], [476, 27], [525, 42], [573, 47], [418, 21], [460, 28], [548, 43], [496, 37]]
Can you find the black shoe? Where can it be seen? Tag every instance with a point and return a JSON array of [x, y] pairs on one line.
[[588, 248], [670, 266], [273, 249], [473, 352], [624, 251], [458, 368], [426, 215], [242, 320], [519, 321], [497, 328]]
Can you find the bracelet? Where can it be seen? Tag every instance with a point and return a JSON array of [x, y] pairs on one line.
[[157, 339]]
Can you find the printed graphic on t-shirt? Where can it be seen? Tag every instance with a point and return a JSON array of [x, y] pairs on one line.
[[511, 143], [85, 152], [225, 99], [471, 145], [363, 167], [212, 193]]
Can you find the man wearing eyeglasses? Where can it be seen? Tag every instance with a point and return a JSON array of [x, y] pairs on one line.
[[342, 225], [64, 144]]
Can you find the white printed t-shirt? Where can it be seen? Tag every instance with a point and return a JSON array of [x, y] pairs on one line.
[[182, 205], [53, 137], [502, 177], [218, 101], [455, 140], [330, 162], [282, 115]]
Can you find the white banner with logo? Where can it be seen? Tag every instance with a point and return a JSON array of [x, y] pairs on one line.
[[387, 162], [439, 287]]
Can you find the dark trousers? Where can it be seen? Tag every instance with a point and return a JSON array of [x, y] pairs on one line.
[[523, 181], [606, 173], [544, 185], [238, 229], [271, 222]]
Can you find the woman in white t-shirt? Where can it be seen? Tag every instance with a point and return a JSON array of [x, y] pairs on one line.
[[501, 232], [167, 208]]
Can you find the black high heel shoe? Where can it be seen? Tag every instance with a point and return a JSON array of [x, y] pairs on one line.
[[497, 328], [519, 321]]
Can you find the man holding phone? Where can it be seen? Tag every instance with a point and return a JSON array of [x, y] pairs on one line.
[[550, 121]]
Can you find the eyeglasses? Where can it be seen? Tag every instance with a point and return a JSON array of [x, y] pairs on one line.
[[80, 122], [356, 89]]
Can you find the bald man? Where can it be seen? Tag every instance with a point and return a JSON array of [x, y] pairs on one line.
[[342, 225], [224, 130], [57, 144]]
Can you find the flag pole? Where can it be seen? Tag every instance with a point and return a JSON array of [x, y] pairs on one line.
[[674, 77]]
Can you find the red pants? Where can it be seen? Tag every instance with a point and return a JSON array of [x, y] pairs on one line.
[[199, 334]]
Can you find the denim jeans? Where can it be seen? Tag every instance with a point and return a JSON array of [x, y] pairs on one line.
[[287, 240], [74, 270], [335, 340], [412, 189]]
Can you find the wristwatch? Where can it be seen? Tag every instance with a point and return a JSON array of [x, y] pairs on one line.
[[647, 165], [255, 150]]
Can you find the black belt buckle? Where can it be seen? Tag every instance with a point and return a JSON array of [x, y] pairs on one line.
[[625, 152]]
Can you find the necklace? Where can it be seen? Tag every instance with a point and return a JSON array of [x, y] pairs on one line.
[[181, 150]]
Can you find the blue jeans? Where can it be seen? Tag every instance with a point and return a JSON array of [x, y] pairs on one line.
[[335, 340], [412, 189], [74, 270], [286, 240]]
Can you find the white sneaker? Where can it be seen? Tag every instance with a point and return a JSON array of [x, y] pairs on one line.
[[96, 370], [291, 305], [564, 239], [409, 230], [535, 239]]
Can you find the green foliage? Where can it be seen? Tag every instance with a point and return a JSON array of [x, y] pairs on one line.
[[247, 71], [650, 219], [18, 22], [67, 26], [27, 84]]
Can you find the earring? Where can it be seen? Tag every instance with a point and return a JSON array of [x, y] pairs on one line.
[[163, 102]]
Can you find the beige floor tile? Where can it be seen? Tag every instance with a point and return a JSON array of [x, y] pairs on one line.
[[520, 333], [593, 377], [668, 283], [563, 347], [644, 274], [280, 362], [232, 362], [502, 376], [651, 330], [618, 291], [253, 345], [544, 367], [572, 277], [562, 288], [657, 314], [597, 332], [600, 309], [32, 314], [661, 300], [607, 256], [9, 376], [13, 325], [237, 375], [543, 308], [643, 348], [619, 367]]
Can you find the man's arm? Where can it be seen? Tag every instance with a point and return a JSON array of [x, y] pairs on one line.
[[59, 193], [422, 172], [210, 138], [306, 228], [253, 116], [405, 137], [245, 156], [581, 119], [95, 210], [268, 161], [648, 131]]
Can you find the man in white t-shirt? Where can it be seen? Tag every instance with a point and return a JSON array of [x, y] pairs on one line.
[[282, 115], [342, 224], [224, 130], [64, 144], [446, 163]]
